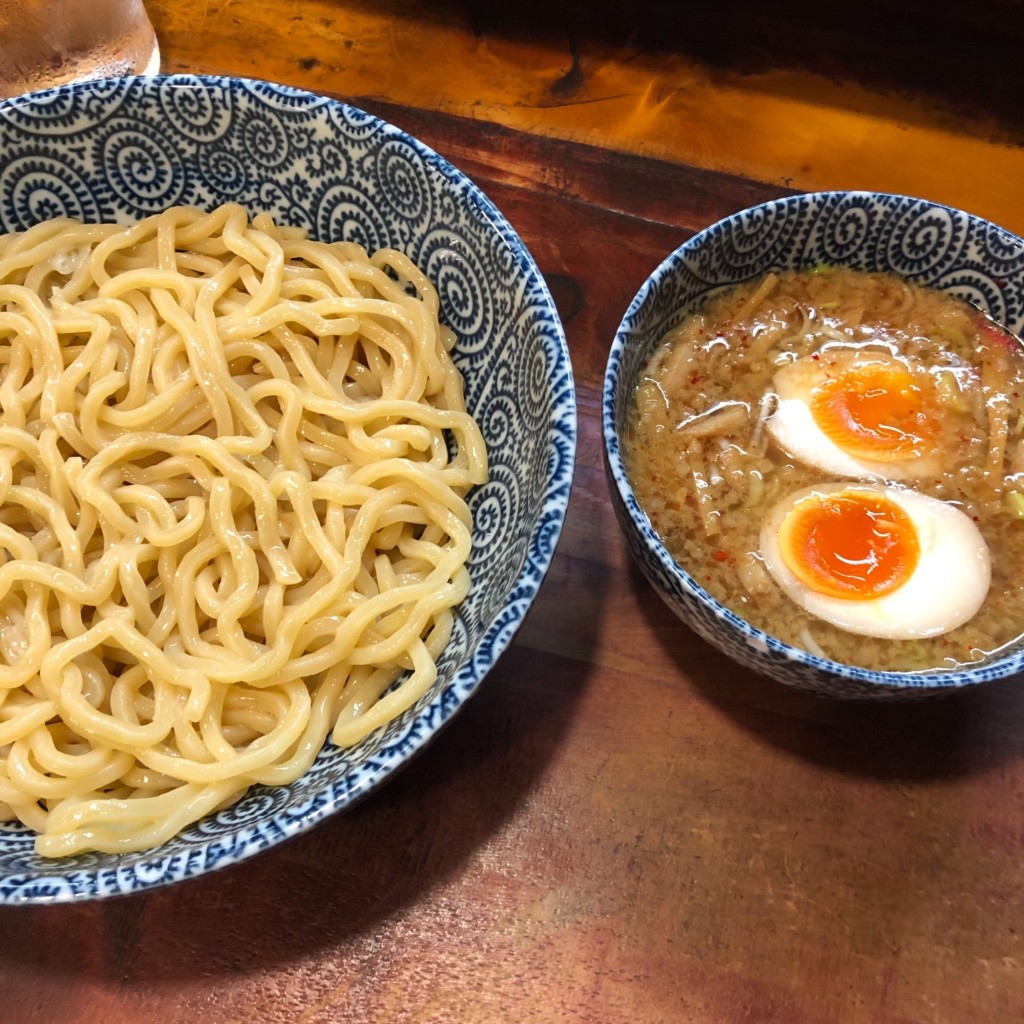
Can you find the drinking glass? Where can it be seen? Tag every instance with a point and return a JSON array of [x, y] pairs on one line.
[[49, 42]]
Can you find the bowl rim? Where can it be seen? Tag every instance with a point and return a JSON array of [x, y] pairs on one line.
[[998, 666], [77, 883]]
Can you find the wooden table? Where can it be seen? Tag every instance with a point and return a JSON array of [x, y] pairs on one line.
[[622, 825]]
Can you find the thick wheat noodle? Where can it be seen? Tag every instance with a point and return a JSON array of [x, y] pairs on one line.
[[233, 464]]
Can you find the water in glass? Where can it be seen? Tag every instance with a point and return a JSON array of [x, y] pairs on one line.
[[49, 42]]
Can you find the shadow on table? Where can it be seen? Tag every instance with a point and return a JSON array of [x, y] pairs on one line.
[[334, 885], [940, 737]]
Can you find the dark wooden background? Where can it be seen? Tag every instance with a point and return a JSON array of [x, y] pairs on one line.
[[621, 826]]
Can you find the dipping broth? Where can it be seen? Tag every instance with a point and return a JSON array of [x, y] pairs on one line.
[[817, 391]]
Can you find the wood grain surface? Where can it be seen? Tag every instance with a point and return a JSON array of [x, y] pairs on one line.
[[622, 825], [912, 96]]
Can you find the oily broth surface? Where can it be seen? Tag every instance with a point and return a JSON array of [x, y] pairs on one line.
[[706, 471]]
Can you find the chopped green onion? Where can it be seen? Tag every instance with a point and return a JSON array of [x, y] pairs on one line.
[[1014, 502], [755, 490], [950, 393], [947, 332]]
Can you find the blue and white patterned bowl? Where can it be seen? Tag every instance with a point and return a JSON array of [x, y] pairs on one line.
[[923, 241], [120, 150]]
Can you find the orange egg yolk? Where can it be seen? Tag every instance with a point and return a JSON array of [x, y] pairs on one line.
[[851, 544], [878, 411]]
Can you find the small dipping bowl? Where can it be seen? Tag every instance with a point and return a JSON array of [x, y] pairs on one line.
[[921, 241]]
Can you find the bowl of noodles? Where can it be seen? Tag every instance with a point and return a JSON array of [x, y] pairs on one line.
[[814, 437], [287, 430]]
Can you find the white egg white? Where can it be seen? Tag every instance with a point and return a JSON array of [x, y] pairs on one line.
[[795, 431], [945, 590]]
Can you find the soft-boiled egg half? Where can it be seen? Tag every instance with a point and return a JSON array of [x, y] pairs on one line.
[[877, 560], [859, 413]]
